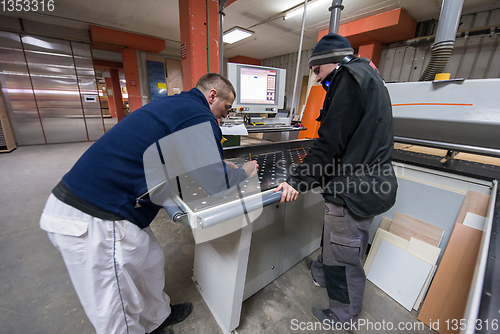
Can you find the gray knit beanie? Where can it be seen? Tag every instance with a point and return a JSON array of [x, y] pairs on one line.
[[331, 48]]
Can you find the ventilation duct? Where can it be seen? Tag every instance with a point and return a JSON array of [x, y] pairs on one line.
[[445, 38]]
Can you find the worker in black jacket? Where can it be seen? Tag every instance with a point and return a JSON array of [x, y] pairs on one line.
[[351, 162]]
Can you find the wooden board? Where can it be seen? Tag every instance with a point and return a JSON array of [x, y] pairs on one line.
[[303, 94], [460, 156], [174, 76], [447, 297], [475, 203], [379, 237], [407, 227], [385, 223]]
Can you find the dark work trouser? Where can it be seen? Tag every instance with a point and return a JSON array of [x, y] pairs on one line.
[[340, 267]]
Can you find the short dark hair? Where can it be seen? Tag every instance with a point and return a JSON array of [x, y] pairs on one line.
[[218, 82]]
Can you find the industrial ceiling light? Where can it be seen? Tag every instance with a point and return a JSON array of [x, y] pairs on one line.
[[236, 34], [300, 10]]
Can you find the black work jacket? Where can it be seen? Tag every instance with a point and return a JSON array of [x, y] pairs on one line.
[[351, 159]]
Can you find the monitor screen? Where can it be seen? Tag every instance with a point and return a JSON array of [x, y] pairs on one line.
[[259, 89], [257, 85]]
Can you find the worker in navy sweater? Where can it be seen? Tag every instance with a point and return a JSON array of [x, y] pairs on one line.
[[351, 163], [98, 216]]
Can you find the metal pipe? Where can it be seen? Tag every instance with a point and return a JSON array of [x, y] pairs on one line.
[[445, 38], [417, 41], [208, 41], [294, 102], [221, 44], [335, 10], [448, 21], [222, 4], [449, 146], [486, 30]]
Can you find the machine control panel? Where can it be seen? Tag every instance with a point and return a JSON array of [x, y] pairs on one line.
[[244, 109]]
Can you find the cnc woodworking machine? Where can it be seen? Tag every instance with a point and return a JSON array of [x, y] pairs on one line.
[[244, 243]]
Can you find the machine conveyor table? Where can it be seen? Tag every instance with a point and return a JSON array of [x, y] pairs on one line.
[[237, 257], [237, 252]]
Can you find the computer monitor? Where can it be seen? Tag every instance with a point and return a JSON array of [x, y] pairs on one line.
[[259, 89]]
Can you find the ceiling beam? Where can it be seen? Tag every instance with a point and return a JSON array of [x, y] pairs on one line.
[[126, 39]]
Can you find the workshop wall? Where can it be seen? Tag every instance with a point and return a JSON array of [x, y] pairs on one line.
[[474, 57]]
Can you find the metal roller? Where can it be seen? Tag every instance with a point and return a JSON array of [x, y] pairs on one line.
[[236, 208], [175, 212]]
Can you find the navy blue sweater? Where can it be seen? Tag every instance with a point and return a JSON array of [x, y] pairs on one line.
[[110, 174]]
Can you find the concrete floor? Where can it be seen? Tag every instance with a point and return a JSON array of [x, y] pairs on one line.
[[36, 295]]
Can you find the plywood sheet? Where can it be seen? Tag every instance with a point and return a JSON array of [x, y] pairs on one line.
[[427, 202], [460, 156], [379, 236], [447, 297], [474, 202], [385, 223], [174, 76], [407, 227], [399, 274]]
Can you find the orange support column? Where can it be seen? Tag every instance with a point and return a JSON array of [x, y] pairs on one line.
[[117, 94], [312, 111], [193, 24], [111, 98], [129, 57], [371, 51]]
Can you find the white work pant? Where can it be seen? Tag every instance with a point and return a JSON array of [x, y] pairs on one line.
[[117, 268]]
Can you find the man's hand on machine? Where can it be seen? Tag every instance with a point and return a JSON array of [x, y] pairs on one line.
[[231, 164], [289, 192], [251, 168]]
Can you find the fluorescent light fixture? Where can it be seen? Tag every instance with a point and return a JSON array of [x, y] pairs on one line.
[[236, 34], [310, 5]]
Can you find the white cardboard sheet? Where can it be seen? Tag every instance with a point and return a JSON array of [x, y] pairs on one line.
[[475, 221], [399, 274]]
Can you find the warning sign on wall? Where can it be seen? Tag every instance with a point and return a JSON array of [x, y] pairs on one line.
[[183, 51]]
